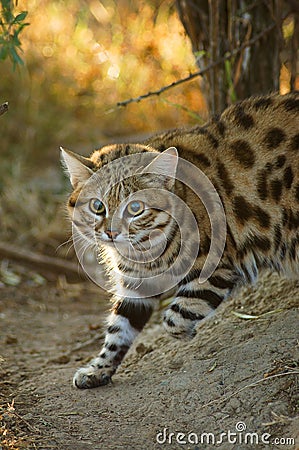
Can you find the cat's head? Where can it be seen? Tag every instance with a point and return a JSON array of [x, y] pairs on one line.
[[122, 199]]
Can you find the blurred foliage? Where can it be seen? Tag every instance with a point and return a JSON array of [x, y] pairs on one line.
[[81, 58], [10, 28], [84, 57]]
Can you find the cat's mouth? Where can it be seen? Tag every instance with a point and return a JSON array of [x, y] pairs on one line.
[[132, 242], [113, 239]]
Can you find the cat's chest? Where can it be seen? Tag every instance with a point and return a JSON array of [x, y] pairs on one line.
[[142, 279], [161, 286]]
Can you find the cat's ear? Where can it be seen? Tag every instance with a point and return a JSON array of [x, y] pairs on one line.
[[165, 164], [78, 168]]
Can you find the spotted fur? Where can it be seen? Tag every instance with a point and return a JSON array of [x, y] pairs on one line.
[[251, 155]]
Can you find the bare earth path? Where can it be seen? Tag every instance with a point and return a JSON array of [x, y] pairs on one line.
[[234, 373]]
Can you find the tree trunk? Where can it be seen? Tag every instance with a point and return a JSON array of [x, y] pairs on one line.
[[218, 28]]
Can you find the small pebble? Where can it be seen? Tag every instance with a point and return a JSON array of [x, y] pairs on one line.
[[11, 339], [63, 359], [176, 364], [142, 349]]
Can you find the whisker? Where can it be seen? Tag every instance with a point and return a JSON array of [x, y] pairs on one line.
[[68, 241]]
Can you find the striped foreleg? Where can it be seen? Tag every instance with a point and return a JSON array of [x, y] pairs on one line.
[[126, 320]]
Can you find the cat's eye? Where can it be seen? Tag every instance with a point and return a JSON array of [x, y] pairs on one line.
[[135, 208], [96, 206]]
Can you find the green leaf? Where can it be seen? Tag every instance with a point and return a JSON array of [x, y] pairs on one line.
[[200, 53], [10, 28], [20, 17], [191, 113], [6, 4], [15, 39], [8, 16], [3, 52], [15, 57]]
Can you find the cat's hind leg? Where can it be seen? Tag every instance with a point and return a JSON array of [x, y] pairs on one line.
[[194, 301]]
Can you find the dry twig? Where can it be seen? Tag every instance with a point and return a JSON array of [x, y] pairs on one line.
[[42, 263], [12, 411], [193, 75]]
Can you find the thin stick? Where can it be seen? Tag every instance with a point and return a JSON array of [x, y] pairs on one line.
[[90, 341], [30, 427], [193, 75], [11, 410], [45, 264]]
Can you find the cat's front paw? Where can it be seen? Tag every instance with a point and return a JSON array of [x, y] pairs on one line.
[[91, 377], [180, 322]]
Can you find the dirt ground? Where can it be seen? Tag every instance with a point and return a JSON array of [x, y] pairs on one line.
[[238, 375]]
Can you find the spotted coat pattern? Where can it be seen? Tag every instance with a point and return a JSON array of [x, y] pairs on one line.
[[251, 154]]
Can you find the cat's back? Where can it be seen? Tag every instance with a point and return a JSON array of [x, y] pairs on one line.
[[253, 146], [263, 126], [250, 154], [250, 131]]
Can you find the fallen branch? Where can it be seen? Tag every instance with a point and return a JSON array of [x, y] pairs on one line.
[[3, 108], [51, 266], [193, 75]]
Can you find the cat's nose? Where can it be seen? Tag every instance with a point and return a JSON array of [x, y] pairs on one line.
[[112, 234]]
